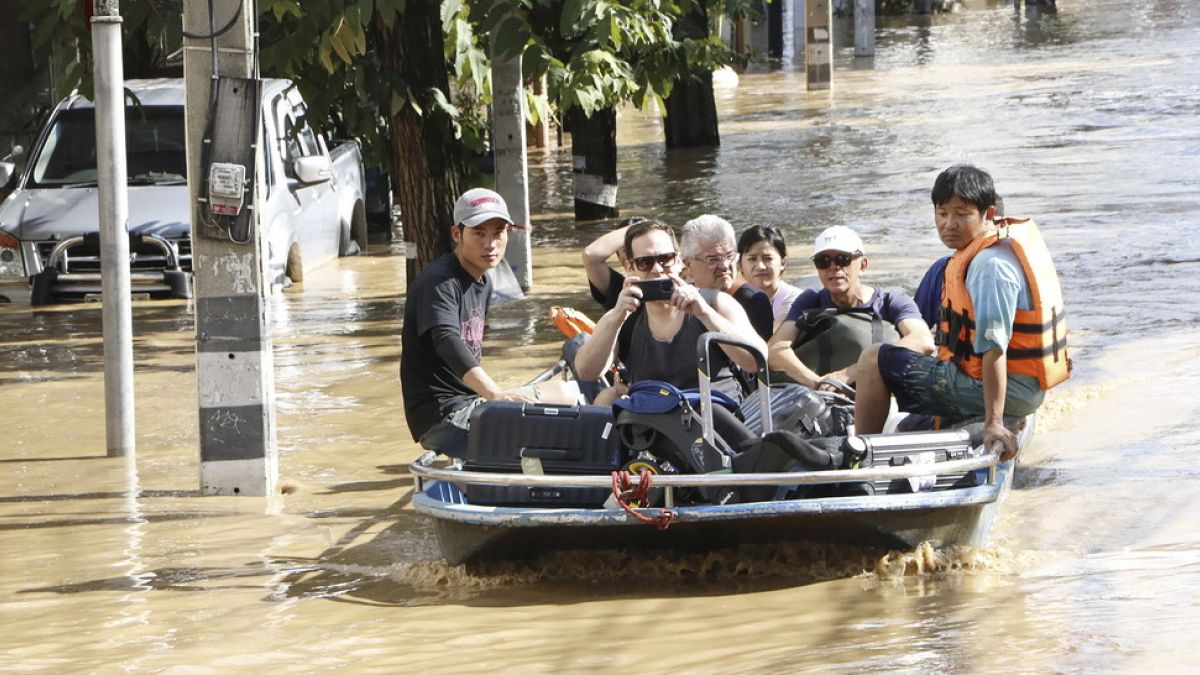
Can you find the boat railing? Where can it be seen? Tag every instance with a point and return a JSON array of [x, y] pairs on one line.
[[424, 470]]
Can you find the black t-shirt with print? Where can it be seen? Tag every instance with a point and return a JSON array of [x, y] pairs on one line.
[[443, 296]]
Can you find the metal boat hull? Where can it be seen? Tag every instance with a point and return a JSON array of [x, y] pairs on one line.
[[468, 533]]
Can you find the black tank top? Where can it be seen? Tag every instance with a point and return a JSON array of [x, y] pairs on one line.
[[648, 358]]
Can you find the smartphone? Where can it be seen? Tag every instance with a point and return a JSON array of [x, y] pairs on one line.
[[656, 289]]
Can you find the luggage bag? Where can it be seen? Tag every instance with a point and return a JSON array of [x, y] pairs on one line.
[[514, 437]]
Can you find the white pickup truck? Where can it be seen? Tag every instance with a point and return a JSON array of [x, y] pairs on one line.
[[311, 211]]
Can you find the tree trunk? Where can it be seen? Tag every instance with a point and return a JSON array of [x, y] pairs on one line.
[[775, 29], [692, 114], [594, 158], [691, 108], [428, 169]]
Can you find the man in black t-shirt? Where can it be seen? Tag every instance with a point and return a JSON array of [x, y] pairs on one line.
[[442, 338]]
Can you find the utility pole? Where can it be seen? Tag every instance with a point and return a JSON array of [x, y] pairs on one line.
[[864, 27], [780, 31], [818, 44], [511, 164], [234, 366], [112, 184]]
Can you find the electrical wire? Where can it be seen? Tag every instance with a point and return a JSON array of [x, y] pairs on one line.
[[214, 31]]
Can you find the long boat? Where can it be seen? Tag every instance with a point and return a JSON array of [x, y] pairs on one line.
[[940, 487]]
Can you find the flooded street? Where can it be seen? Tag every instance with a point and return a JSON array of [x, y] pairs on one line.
[[1090, 123]]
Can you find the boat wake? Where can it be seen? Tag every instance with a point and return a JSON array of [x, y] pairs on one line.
[[766, 565]]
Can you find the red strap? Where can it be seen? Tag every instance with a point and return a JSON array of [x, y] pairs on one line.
[[625, 493]]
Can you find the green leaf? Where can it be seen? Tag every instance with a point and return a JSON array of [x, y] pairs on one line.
[[438, 100], [396, 103], [511, 38], [324, 53], [341, 41], [538, 108], [571, 18], [389, 10], [450, 11]]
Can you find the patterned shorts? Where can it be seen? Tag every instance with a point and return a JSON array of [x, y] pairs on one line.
[[461, 417], [924, 384]]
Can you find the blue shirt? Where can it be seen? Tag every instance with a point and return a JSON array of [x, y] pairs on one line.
[[998, 288], [891, 306], [929, 292]]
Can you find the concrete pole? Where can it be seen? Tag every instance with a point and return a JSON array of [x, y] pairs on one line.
[[511, 164], [234, 366], [818, 44], [864, 27], [787, 53], [112, 184]]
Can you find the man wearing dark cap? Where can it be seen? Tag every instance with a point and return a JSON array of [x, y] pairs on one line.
[[442, 338]]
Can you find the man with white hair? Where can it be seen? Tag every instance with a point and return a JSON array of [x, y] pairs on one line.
[[709, 250]]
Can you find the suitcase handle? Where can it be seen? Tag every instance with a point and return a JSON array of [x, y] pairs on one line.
[[550, 410], [552, 453]]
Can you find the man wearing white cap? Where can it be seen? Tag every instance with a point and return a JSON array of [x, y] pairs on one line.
[[826, 330], [442, 338]]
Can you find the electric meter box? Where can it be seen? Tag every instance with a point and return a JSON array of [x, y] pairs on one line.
[[226, 188]]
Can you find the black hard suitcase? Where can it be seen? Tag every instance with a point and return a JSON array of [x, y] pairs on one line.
[[558, 439]]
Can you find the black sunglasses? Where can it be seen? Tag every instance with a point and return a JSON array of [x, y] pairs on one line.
[[646, 263], [824, 260]]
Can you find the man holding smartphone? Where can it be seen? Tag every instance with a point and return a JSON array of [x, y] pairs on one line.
[[656, 340]]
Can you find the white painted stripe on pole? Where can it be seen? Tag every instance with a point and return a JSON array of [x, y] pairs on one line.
[[229, 379], [592, 188], [240, 477]]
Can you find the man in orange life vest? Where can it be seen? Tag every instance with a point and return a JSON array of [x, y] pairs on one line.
[[1001, 335]]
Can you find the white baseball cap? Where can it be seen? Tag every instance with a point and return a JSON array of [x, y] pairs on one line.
[[838, 238], [479, 205]]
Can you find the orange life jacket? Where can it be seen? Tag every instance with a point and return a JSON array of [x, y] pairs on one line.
[[1038, 346]]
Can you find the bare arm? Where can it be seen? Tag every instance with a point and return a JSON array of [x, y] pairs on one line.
[[481, 383], [596, 354], [783, 358], [727, 317], [995, 387], [597, 253], [915, 335]]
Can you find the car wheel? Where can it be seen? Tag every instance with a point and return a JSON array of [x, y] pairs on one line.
[[294, 271], [42, 292], [347, 246]]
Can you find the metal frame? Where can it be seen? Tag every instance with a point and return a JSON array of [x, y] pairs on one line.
[[423, 472]]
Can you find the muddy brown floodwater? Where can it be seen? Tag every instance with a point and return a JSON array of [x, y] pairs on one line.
[[1090, 121]]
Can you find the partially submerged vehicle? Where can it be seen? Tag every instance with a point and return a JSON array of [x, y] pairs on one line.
[[311, 205], [684, 471]]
